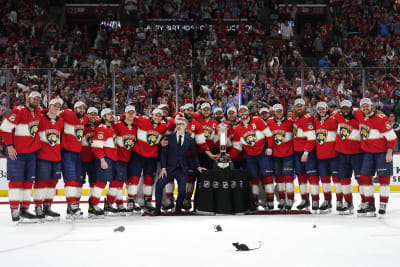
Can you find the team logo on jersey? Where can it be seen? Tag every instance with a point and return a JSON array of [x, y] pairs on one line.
[[250, 138], [207, 132], [321, 136], [12, 117], [279, 136], [89, 138], [33, 127], [128, 141], [344, 132], [388, 125], [52, 136], [294, 130], [79, 132], [152, 138], [364, 131]]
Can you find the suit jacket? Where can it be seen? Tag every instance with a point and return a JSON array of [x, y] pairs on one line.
[[174, 157]]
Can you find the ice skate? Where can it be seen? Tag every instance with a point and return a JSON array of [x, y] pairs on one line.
[[304, 204], [74, 212], [347, 209], [110, 209], [281, 204], [315, 206], [27, 217], [326, 206], [133, 207], [289, 204], [382, 209], [49, 214], [39, 212], [96, 212]]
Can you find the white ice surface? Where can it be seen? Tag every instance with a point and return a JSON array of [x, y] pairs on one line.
[[191, 241]]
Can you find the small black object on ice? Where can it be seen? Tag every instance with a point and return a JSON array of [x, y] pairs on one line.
[[314, 226], [119, 229], [218, 228], [244, 247]]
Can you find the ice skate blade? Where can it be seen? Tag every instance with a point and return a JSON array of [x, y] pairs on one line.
[[325, 211], [348, 212], [73, 217], [23, 220], [52, 219], [93, 216], [111, 214]]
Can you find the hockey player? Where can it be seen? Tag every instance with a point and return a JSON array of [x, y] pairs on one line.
[[105, 151], [232, 122], [280, 146], [145, 154], [264, 113], [250, 136], [377, 141], [218, 114], [19, 133], [348, 147], [304, 155], [48, 169], [126, 139], [325, 135], [87, 155], [71, 147]]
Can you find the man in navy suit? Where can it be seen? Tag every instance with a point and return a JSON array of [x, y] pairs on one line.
[[175, 163]]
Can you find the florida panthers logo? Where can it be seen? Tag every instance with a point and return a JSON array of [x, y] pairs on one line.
[[90, 140], [33, 128], [53, 137], [129, 141], [279, 137], [364, 132], [250, 138], [294, 130], [344, 132], [321, 136], [152, 138], [79, 132], [207, 133]]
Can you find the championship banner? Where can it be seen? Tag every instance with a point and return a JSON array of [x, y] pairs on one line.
[[394, 182]]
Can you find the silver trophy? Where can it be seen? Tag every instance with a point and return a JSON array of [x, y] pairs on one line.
[[224, 161]]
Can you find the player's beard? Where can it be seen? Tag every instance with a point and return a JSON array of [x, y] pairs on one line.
[[347, 115], [300, 114], [187, 116], [219, 119], [80, 114]]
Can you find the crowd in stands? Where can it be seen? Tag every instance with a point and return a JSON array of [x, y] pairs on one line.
[[357, 54]]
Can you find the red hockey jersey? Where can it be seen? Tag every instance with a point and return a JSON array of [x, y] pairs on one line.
[[348, 135], [103, 142], [304, 133], [376, 132], [148, 136], [325, 138], [209, 129], [250, 137], [50, 136], [126, 139], [20, 130], [281, 139], [73, 130], [231, 134], [87, 140]]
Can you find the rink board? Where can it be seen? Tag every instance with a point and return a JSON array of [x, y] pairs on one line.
[[394, 183]]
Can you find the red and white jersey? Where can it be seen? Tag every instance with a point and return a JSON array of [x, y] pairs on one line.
[[209, 129], [325, 138], [87, 140], [231, 134], [104, 142], [376, 132], [348, 135], [73, 130], [304, 133], [126, 139], [148, 136], [250, 137], [19, 129], [281, 139], [50, 138]]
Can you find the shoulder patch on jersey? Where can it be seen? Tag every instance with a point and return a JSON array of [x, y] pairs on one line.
[[310, 126], [380, 115], [12, 117], [388, 125], [308, 115]]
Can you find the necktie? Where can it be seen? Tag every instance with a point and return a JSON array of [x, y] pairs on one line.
[[180, 140]]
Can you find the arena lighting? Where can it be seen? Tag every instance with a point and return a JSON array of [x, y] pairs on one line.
[[240, 92]]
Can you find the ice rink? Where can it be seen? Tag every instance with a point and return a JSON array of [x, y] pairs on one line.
[[191, 241]]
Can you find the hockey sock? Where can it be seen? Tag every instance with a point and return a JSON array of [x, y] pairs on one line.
[[15, 193], [39, 192], [338, 188], [289, 186], [72, 191], [51, 185], [112, 192], [26, 198], [254, 186], [148, 186], [119, 197], [360, 190], [190, 186], [314, 186], [302, 178], [347, 189], [91, 185], [280, 180], [384, 188], [132, 186], [268, 182], [326, 187], [169, 190], [97, 191], [366, 187]]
